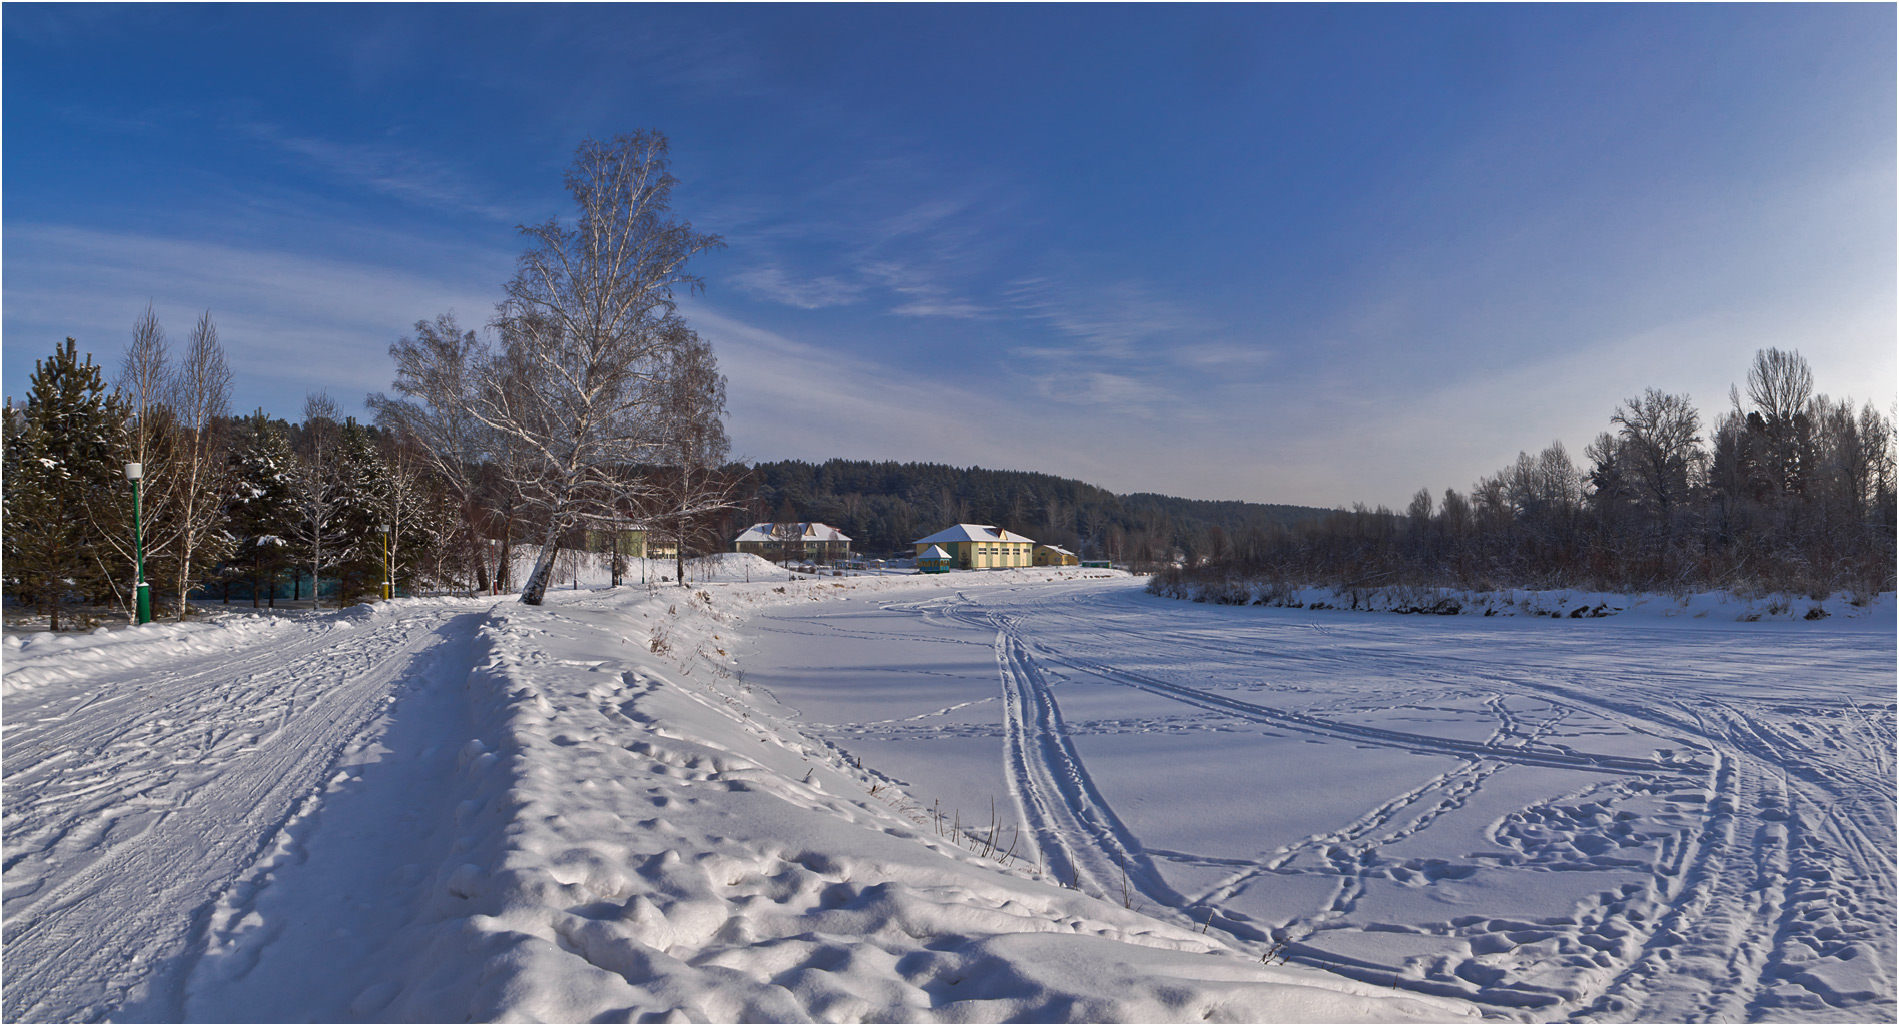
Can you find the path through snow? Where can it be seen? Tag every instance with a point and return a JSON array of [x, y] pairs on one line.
[[146, 771]]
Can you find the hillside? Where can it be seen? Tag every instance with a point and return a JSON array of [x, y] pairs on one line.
[[885, 506]]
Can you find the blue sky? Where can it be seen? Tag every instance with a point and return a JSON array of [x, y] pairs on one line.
[[1284, 253]]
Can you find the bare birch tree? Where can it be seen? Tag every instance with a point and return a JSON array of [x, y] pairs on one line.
[[320, 499], [406, 502], [200, 392], [691, 445], [436, 377], [151, 439], [587, 321]]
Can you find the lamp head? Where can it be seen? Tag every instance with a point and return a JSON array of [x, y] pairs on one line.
[[134, 471]]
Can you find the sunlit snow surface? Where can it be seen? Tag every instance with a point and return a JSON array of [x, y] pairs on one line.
[[1650, 818], [763, 798]]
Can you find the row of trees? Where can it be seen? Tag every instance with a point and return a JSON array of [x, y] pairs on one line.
[[1787, 490], [593, 406], [250, 503]]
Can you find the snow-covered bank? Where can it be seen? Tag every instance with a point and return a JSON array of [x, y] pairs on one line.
[[644, 836], [1569, 603]]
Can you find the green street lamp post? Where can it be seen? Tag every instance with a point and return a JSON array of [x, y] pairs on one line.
[[133, 473]]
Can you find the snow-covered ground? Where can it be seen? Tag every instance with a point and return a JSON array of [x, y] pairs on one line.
[[1012, 795], [468, 809], [1673, 814]]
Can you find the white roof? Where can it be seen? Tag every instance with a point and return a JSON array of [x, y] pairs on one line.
[[810, 532], [1058, 548], [971, 533], [934, 552]]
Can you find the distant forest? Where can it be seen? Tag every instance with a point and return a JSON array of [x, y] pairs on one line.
[[1787, 490], [886, 506]]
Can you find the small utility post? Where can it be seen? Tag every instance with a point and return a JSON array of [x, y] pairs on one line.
[[143, 606], [388, 586]]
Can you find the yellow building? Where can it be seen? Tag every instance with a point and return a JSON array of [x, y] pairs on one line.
[[980, 547], [1054, 555]]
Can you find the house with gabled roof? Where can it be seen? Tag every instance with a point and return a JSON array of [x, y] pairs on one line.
[[818, 543], [980, 547]]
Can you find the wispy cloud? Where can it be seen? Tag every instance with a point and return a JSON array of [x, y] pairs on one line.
[[774, 283], [390, 170], [290, 323], [794, 399], [1120, 321], [924, 293]]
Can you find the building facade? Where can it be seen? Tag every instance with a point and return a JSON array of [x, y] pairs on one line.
[[980, 547], [1054, 555], [812, 542]]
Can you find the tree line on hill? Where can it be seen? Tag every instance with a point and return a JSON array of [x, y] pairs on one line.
[[884, 506], [1788, 491]]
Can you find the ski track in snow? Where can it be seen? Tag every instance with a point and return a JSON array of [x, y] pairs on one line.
[[1761, 845], [147, 791]]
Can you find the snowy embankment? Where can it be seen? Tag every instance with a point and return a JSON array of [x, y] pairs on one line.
[[642, 836], [1571, 603]]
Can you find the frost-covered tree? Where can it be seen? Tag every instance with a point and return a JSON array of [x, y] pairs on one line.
[[363, 482], [320, 499], [690, 445], [1660, 451], [199, 391], [421, 524], [262, 509], [587, 321], [64, 451], [152, 435], [436, 375]]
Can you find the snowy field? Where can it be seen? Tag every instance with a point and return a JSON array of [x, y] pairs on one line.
[[1646, 817], [978, 797]]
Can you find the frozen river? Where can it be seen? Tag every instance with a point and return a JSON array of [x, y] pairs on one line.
[[1604, 820]]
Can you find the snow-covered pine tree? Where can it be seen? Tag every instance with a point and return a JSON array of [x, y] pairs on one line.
[[63, 451], [262, 507], [364, 508]]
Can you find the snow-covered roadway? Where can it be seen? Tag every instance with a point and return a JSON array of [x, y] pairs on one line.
[[1637, 818], [148, 771]]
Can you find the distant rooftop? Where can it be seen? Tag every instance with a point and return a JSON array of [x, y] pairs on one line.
[[803, 532], [971, 533]]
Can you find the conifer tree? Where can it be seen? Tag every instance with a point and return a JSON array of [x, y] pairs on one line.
[[364, 501], [64, 451], [262, 507]]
